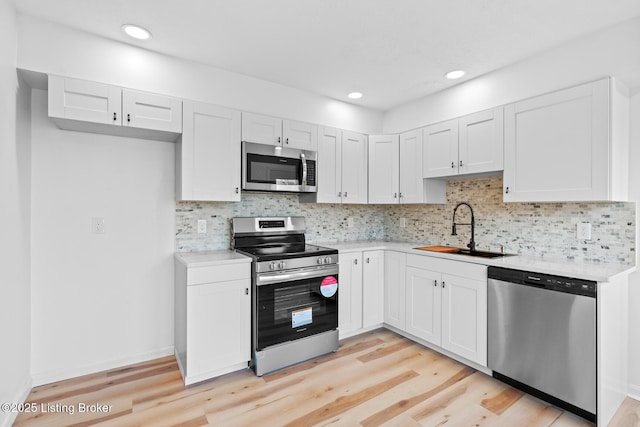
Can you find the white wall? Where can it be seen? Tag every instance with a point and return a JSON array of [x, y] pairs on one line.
[[99, 300], [50, 48], [634, 281], [15, 380], [614, 51]]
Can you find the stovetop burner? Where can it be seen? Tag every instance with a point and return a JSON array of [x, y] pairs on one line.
[[274, 238], [285, 251]]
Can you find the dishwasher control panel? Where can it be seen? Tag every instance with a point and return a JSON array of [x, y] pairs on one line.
[[546, 281]]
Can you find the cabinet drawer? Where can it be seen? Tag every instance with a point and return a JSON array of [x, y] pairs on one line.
[[218, 273], [455, 268]]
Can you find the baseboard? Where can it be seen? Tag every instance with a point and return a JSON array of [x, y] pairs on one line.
[[50, 377], [634, 392], [7, 418]]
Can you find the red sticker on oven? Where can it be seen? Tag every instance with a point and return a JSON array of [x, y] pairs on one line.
[[329, 286]]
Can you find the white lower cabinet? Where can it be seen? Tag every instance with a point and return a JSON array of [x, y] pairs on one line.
[[394, 289], [446, 305], [349, 293], [213, 320], [372, 288]]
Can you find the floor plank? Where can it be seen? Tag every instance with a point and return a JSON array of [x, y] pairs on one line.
[[375, 379]]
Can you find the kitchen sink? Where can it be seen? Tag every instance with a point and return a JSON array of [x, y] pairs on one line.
[[460, 251]]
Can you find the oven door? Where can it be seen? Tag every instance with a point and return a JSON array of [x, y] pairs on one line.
[[273, 168], [294, 305]]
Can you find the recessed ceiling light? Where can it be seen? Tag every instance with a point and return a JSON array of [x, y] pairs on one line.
[[136, 32], [355, 95], [455, 74]]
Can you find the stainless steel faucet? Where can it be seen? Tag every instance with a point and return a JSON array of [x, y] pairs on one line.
[[472, 243]]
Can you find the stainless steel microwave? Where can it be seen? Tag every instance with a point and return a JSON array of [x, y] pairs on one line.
[[275, 168]]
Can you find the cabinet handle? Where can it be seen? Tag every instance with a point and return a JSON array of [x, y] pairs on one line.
[[278, 140], [443, 284], [128, 118], [115, 117], [395, 195], [507, 190], [460, 163], [453, 165], [401, 195], [355, 261], [345, 194], [367, 260], [246, 291], [286, 140], [339, 193], [435, 283], [237, 190]]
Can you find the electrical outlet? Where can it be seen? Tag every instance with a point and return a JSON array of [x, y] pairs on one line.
[[403, 222], [202, 226], [97, 225], [583, 231]]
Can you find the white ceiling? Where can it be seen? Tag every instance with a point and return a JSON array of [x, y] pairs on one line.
[[392, 50]]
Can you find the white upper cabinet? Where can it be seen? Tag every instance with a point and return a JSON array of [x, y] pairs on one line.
[[150, 111], [395, 171], [413, 188], [569, 145], [329, 165], [299, 135], [440, 149], [384, 169], [354, 168], [83, 100], [96, 107], [269, 130], [468, 145], [481, 142], [261, 129], [208, 154]]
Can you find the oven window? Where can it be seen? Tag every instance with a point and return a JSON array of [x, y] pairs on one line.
[[273, 169], [292, 310]]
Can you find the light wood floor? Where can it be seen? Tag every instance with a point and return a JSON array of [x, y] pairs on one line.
[[374, 379]]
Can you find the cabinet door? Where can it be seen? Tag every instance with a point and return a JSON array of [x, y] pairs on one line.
[[423, 298], [86, 101], [261, 129], [354, 167], [373, 288], [329, 165], [394, 289], [384, 169], [350, 293], [151, 111], [411, 182], [440, 149], [481, 142], [557, 146], [218, 326], [300, 135], [464, 317], [208, 154]]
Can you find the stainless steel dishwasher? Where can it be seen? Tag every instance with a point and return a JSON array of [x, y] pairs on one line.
[[542, 336]]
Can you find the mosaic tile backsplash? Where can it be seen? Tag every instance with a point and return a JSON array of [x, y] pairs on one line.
[[539, 229]]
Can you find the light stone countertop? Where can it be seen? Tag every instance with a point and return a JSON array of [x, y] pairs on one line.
[[210, 258], [599, 272]]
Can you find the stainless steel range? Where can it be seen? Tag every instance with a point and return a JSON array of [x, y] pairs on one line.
[[294, 292]]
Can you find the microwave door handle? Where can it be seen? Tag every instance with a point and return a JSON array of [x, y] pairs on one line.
[[303, 181]]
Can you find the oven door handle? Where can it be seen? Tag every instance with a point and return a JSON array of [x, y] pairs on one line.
[[269, 279]]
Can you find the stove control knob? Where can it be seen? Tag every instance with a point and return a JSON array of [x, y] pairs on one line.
[[272, 265], [327, 260], [319, 260], [281, 265]]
